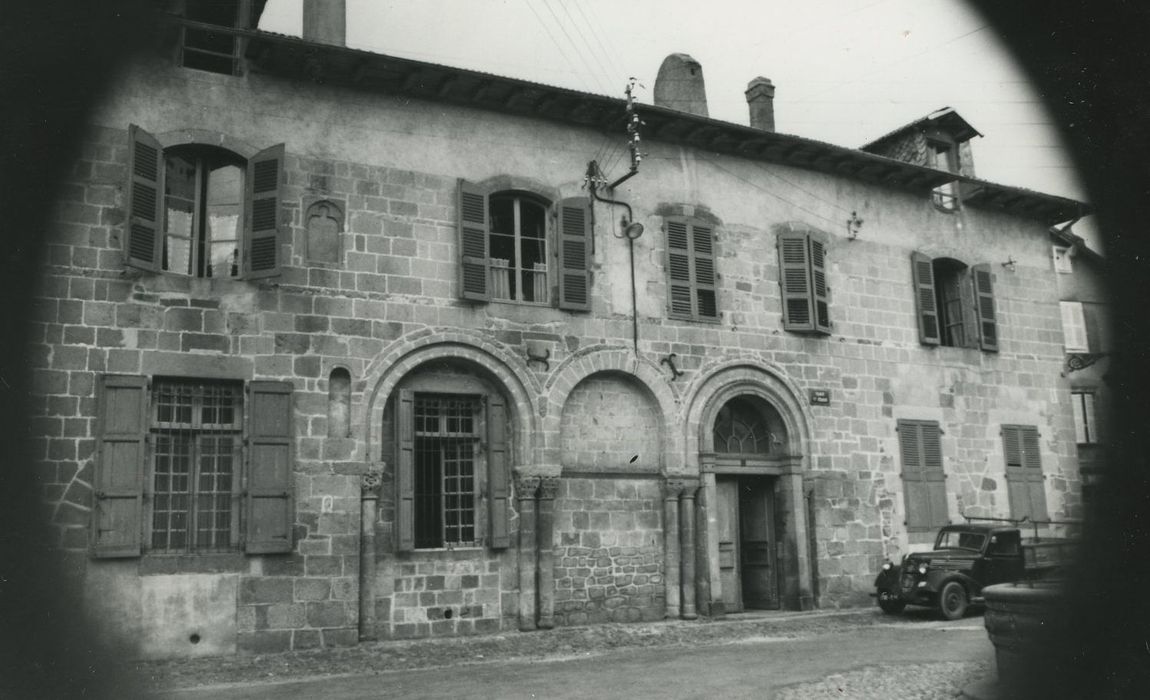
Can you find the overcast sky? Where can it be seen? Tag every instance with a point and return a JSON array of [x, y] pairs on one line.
[[846, 71]]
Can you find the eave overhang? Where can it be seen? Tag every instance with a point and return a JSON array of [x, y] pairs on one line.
[[295, 58]]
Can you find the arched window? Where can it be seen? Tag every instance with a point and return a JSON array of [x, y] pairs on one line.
[[741, 428], [202, 211]]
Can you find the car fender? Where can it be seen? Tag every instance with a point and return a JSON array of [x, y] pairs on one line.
[[888, 580]]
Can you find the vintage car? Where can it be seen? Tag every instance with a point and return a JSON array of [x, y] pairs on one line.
[[965, 559]]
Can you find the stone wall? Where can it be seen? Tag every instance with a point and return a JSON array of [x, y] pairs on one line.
[[608, 551]]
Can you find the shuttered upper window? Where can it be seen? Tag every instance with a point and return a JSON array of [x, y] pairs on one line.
[[692, 292], [923, 478], [954, 304], [803, 282], [514, 246], [1025, 483], [191, 466], [202, 211]]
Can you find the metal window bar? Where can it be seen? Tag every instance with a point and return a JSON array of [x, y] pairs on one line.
[[446, 439], [196, 431]]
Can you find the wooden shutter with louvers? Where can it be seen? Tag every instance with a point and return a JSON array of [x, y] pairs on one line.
[[984, 307], [703, 268], [270, 473], [1026, 485], [822, 317], [498, 473], [574, 254], [679, 283], [474, 256], [262, 213], [145, 200], [924, 481], [795, 282], [405, 471], [120, 466], [925, 301]]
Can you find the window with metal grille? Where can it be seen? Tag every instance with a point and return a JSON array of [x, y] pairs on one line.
[[446, 430], [196, 432]]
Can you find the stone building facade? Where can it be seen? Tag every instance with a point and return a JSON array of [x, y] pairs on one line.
[[332, 346]]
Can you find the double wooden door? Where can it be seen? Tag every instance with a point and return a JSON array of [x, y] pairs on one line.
[[748, 561]]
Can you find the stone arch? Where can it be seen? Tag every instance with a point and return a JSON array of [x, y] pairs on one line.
[[719, 383], [506, 371], [606, 359], [206, 137]]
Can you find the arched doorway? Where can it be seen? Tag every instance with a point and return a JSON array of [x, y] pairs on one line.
[[749, 439]]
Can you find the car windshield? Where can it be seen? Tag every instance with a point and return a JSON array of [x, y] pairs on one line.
[[957, 539]]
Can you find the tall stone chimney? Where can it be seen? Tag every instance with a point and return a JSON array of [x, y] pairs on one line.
[[325, 21], [679, 85], [761, 101]]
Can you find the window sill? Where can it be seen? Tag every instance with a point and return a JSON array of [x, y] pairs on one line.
[[215, 563]]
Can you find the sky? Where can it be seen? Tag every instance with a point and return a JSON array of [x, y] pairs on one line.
[[845, 71]]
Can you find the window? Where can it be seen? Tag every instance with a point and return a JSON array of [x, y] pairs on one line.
[[217, 476], [1074, 336], [956, 539], [1025, 482], [954, 304], [691, 289], [440, 474], [507, 253], [923, 479], [1085, 423], [803, 280], [1063, 263], [944, 156], [741, 429], [202, 211], [204, 48]]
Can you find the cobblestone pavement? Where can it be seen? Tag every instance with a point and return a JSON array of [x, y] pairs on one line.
[[887, 681]]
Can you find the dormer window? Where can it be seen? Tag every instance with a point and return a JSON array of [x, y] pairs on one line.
[[206, 49], [943, 155]]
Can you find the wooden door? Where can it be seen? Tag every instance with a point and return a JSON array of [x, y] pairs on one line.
[[727, 514], [759, 562]]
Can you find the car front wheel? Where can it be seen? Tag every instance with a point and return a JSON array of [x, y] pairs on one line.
[[952, 601]]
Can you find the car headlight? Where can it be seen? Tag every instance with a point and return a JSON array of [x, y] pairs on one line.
[[922, 568], [886, 566]]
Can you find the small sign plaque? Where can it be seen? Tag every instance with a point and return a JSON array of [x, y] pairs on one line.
[[820, 397]]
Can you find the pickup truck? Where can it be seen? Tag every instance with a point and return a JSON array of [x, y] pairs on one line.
[[966, 559]]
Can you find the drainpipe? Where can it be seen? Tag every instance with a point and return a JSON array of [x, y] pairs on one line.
[[369, 498], [631, 231]]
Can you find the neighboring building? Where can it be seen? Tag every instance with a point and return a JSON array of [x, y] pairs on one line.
[[333, 345]]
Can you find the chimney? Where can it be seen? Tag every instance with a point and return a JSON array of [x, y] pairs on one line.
[[761, 101], [325, 21], [679, 85]]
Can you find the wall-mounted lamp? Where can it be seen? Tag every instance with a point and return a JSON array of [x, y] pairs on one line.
[[631, 230], [1010, 263], [853, 225]]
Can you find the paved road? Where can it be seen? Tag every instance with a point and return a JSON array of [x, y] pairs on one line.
[[897, 656]]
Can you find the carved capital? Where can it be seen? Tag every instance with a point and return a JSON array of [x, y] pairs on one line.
[[370, 483], [672, 488], [548, 487], [525, 486]]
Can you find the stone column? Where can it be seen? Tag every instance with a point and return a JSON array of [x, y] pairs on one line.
[[687, 537], [548, 488], [525, 488], [671, 559], [708, 597], [797, 504], [369, 497]]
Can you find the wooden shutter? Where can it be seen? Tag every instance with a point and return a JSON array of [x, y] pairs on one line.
[[1074, 336], [474, 255], [120, 466], [680, 289], [262, 213], [925, 301], [498, 473], [984, 307], [822, 318], [1026, 485], [574, 254], [405, 471], [145, 200], [270, 514], [924, 481], [703, 268], [795, 282]]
